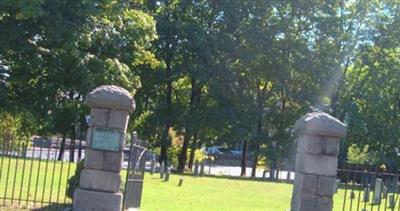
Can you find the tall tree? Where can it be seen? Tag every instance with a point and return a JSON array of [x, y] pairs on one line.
[[58, 51]]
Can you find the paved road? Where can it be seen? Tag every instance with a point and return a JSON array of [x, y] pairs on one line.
[[50, 154]]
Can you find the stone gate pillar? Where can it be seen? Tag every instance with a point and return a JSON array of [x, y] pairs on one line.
[[318, 138], [100, 181]]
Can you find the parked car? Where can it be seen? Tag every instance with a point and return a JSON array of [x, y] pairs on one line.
[[237, 152], [217, 150]]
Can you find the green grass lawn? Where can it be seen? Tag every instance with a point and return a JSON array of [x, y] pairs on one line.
[[209, 193], [30, 180], [206, 193], [196, 193]]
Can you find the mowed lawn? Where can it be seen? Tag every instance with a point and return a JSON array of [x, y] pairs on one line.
[[210, 193], [207, 193], [33, 180], [196, 193]]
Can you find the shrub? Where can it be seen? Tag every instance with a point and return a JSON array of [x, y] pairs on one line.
[[358, 155], [12, 131], [73, 182]]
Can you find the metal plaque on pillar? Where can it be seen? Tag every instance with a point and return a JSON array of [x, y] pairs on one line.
[[107, 139]]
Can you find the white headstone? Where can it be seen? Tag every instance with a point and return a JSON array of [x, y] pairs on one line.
[[384, 191], [377, 191]]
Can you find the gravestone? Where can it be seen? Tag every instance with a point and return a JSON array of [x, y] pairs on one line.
[[99, 187], [167, 173], [366, 195], [352, 195], [384, 191], [180, 181], [377, 191], [391, 201], [318, 138]]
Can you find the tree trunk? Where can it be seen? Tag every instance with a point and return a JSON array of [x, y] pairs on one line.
[[256, 150], [254, 167], [192, 151], [72, 144], [244, 159], [277, 173], [168, 100], [183, 155], [164, 147], [273, 169], [194, 99], [80, 142], [260, 105], [62, 148]]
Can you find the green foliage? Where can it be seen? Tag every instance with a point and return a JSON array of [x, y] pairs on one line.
[[73, 182], [12, 131], [358, 155], [175, 148], [58, 51], [199, 154], [173, 153], [214, 72]]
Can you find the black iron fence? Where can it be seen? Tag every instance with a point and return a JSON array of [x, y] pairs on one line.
[[37, 173], [135, 173], [361, 187]]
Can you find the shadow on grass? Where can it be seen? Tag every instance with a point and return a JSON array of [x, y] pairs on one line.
[[54, 207], [49, 207]]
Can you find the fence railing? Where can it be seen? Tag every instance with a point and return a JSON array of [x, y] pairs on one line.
[[369, 189], [31, 174]]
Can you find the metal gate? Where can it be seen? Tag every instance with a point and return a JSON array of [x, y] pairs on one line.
[[135, 173], [33, 174]]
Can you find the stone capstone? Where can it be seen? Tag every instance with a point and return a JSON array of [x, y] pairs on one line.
[[319, 123], [110, 96]]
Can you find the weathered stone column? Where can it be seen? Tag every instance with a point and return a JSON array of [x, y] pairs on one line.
[[318, 138], [100, 181]]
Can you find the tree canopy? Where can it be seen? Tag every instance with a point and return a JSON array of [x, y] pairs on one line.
[[214, 72]]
